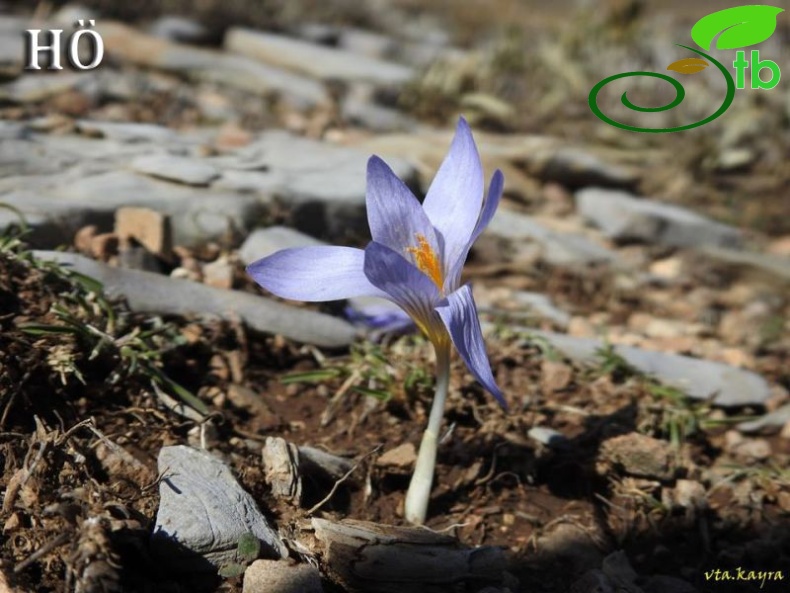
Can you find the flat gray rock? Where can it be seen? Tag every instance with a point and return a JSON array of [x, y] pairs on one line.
[[85, 150], [28, 160], [204, 512], [359, 107], [12, 130], [558, 248], [35, 87], [624, 217], [700, 379], [775, 265], [321, 186], [197, 215], [51, 221], [543, 306], [12, 47], [771, 422], [273, 576], [28, 157], [320, 62], [178, 28], [252, 76], [576, 168], [211, 66], [368, 43], [154, 293], [264, 242], [71, 12], [189, 171], [126, 132]]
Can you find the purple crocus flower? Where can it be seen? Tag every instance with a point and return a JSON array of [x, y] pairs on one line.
[[414, 260]]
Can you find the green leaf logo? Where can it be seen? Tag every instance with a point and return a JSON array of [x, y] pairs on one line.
[[739, 26]]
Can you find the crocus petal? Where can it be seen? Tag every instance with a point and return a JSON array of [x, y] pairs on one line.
[[455, 196], [489, 208], [320, 273], [383, 315], [459, 315], [395, 216], [490, 205], [404, 285]]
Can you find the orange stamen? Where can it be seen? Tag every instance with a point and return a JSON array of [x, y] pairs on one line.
[[427, 260]]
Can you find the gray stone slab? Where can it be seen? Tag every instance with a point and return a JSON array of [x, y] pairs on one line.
[[178, 28], [558, 248], [771, 422], [543, 306], [264, 242], [624, 217], [35, 87], [153, 293], [24, 157], [775, 265], [194, 221], [13, 130], [203, 64], [68, 15], [189, 171], [197, 216], [700, 379], [359, 107], [204, 512], [12, 42], [79, 180], [321, 185], [126, 131], [252, 76], [321, 62], [369, 43], [39, 155], [52, 222], [576, 168], [88, 149], [272, 576]]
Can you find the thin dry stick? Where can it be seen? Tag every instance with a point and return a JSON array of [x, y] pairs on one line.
[[10, 403], [157, 480], [447, 529], [345, 476], [89, 423], [329, 412], [42, 551]]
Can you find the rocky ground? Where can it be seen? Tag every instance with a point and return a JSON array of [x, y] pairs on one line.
[[633, 289]]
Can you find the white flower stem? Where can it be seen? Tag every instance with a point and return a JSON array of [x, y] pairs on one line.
[[416, 506]]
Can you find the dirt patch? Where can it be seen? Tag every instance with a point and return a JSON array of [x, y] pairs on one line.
[[81, 432]]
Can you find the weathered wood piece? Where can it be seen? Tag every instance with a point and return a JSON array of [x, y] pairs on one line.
[[281, 467], [316, 460], [287, 465], [374, 558]]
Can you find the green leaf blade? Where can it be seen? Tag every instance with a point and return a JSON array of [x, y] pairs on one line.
[[736, 27]]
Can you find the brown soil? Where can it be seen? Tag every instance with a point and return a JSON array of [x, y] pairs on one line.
[[80, 476]]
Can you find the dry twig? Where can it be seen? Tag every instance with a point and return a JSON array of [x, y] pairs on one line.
[[345, 476]]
